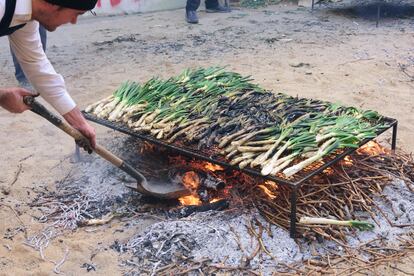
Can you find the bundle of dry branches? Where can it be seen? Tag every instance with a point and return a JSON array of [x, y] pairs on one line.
[[343, 192]]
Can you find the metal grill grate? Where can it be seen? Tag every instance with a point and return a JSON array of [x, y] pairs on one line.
[[214, 157]]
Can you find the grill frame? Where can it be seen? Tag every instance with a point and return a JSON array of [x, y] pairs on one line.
[[293, 182], [293, 185]]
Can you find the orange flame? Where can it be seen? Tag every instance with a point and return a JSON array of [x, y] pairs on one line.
[[147, 147], [213, 167], [373, 148], [215, 200], [347, 161], [269, 188], [191, 180], [190, 200]]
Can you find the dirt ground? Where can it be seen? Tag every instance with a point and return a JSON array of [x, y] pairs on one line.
[[323, 54]]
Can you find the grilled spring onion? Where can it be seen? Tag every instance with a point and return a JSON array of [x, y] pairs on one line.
[[214, 107], [326, 148], [360, 225], [298, 144]]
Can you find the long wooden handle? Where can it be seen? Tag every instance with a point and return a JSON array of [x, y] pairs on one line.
[[100, 150], [104, 153], [42, 111]]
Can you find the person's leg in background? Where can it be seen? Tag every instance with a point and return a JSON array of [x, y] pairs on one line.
[[20, 77], [191, 11], [214, 6]]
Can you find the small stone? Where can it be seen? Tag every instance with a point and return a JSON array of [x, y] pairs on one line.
[[298, 64]]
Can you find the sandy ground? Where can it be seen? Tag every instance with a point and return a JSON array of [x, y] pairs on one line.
[[323, 55]]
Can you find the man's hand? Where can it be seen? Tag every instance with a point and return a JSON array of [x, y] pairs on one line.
[[11, 99], [76, 119]]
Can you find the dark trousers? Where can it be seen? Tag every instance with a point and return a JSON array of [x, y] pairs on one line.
[[20, 77], [193, 5]]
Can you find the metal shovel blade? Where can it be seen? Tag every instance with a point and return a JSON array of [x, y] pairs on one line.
[[156, 189], [161, 189]]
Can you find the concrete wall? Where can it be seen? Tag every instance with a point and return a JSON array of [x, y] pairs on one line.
[[133, 6]]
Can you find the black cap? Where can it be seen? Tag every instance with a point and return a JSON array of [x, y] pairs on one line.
[[83, 5]]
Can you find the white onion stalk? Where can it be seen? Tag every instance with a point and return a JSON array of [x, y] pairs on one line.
[[263, 157], [268, 168], [229, 138], [283, 163], [245, 163], [116, 114], [92, 107], [253, 149], [108, 108], [235, 144], [244, 156], [325, 148], [361, 225]]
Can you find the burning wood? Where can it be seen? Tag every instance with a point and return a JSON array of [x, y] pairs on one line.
[[201, 184], [217, 205], [190, 200], [214, 183]]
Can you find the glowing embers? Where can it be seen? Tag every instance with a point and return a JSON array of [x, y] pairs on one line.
[[347, 161], [213, 167], [191, 181], [190, 200], [200, 179], [269, 188], [373, 148]]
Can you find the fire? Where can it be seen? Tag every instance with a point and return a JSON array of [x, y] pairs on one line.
[[191, 181], [373, 148], [147, 147], [213, 167], [348, 161], [215, 200], [190, 200], [269, 188], [328, 170]]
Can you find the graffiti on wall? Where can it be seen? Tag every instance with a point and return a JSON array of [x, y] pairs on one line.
[[113, 3]]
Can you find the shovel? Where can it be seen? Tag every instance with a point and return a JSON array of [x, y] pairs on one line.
[[160, 190]]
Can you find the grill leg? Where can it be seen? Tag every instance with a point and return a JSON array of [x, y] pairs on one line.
[[313, 4], [394, 137], [293, 201]]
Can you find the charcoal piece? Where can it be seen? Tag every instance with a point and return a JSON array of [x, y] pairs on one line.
[[212, 182], [217, 206]]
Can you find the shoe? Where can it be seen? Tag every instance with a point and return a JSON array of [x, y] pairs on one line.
[[191, 17], [219, 8]]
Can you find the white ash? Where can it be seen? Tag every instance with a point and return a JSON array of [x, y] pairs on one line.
[[96, 176], [398, 207], [219, 236], [400, 201]]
